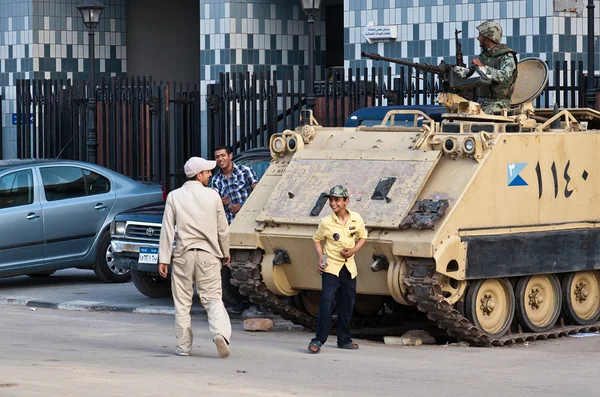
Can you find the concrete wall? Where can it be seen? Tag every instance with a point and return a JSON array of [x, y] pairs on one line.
[[164, 40]]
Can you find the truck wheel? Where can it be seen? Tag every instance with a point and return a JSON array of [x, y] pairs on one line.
[[231, 294], [105, 267], [153, 286]]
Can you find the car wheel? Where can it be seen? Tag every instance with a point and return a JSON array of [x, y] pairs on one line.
[[106, 267], [153, 286]]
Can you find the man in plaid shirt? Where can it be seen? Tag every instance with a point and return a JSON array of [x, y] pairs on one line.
[[234, 182]]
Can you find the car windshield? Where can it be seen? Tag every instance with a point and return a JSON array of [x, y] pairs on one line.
[[397, 122], [259, 165]]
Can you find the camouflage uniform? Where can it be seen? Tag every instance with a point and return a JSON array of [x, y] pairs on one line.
[[500, 66]]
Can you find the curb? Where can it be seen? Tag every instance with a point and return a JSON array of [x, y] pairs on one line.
[[96, 306]]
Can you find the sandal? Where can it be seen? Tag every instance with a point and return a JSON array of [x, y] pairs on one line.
[[314, 346], [349, 345]]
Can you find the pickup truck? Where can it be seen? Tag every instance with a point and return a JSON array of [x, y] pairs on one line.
[[135, 238]]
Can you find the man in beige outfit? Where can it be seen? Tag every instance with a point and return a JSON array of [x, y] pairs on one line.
[[202, 241]]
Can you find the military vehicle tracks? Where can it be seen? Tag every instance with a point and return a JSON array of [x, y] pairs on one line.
[[426, 293]]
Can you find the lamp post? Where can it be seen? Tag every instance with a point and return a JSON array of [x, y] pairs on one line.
[[90, 12], [310, 8], [591, 89]]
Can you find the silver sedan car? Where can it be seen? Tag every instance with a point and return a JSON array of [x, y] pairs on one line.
[[56, 214]]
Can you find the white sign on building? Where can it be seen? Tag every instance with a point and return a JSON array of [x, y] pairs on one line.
[[380, 32]]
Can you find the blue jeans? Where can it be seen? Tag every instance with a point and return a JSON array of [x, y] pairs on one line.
[[347, 297]]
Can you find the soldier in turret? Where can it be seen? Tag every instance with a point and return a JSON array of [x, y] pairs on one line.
[[499, 63]]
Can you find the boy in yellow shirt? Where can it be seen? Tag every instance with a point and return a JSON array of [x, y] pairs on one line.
[[338, 238]]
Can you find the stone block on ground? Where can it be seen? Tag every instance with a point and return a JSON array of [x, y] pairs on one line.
[[258, 324], [410, 338]]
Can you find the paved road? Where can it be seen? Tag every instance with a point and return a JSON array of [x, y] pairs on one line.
[[48, 352]]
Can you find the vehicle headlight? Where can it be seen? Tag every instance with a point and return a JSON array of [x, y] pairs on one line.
[[450, 145], [119, 228], [278, 145], [469, 145], [292, 144]]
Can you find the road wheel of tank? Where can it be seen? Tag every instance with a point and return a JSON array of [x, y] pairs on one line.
[[581, 297], [309, 302], [106, 268], [490, 305], [153, 286], [367, 305], [538, 302], [452, 289]]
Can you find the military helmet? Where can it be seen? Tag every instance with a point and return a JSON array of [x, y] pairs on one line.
[[491, 30], [338, 191]]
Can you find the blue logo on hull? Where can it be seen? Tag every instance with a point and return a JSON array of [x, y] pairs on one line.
[[514, 179]]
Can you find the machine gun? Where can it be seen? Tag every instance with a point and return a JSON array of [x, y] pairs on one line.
[[476, 84], [459, 52], [454, 89]]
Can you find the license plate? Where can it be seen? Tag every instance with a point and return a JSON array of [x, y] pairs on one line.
[[148, 255]]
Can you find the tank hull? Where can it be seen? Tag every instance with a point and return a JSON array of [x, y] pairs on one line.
[[493, 234]]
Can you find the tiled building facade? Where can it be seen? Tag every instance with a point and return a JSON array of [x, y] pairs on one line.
[[426, 28], [239, 36], [47, 39]]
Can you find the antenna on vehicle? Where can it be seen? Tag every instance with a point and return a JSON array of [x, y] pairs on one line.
[[66, 144]]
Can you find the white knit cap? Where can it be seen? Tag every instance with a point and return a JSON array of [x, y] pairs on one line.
[[197, 164]]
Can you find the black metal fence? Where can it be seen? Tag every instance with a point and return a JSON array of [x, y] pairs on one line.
[[345, 91], [566, 87], [146, 129], [245, 109]]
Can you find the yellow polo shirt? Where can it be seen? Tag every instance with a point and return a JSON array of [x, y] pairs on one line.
[[331, 228]]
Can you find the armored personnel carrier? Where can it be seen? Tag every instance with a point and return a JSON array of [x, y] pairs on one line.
[[490, 224]]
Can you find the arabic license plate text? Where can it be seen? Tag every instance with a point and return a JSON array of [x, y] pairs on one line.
[[148, 255]]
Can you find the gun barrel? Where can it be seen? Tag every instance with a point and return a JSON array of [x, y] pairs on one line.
[[420, 66]]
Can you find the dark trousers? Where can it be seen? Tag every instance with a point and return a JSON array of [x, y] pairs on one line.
[[347, 297]]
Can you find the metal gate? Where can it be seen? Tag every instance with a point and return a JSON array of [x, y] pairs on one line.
[[146, 129]]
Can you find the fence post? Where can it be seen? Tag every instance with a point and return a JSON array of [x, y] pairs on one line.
[[1, 131], [154, 105], [214, 118], [165, 163]]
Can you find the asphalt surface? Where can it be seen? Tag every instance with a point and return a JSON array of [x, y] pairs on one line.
[[48, 352]]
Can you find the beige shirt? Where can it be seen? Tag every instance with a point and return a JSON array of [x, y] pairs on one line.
[[198, 213]]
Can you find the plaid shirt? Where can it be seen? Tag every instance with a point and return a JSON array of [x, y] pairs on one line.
[[237, 187]]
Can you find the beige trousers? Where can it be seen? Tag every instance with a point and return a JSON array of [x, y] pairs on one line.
[[204, 270]]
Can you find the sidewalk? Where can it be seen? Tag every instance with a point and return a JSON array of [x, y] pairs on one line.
[[81, 290]]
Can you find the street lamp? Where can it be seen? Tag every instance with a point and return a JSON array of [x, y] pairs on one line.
[[310, 8], [90, 12]]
